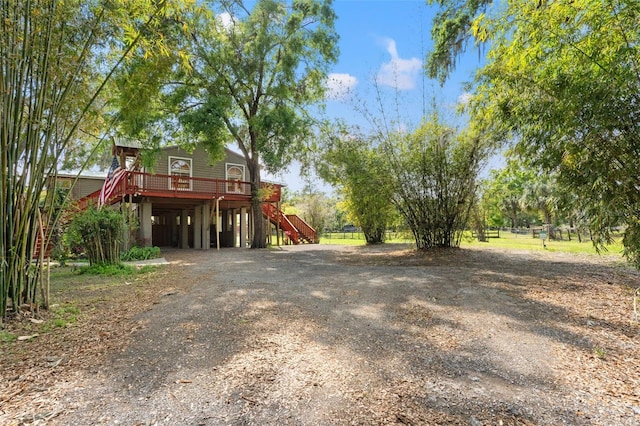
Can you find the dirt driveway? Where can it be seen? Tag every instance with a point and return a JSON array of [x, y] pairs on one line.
[[316, 335]]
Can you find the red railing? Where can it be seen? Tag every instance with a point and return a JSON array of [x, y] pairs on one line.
[[40, 245], [303, 228], [276, 217], [172, 186]]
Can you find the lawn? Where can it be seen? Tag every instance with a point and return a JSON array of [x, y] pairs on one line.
[[357, 238], [507, 240]]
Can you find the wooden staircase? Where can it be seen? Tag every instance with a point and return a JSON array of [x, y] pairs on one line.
[[296, 229]]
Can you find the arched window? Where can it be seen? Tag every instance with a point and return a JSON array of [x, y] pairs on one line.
[[180, 171], [235, 175]]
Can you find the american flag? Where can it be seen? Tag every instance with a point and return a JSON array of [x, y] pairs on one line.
[[114, 177]]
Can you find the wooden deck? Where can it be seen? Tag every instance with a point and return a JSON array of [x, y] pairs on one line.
[[139, 184]]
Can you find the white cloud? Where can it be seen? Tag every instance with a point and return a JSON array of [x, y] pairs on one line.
[[339, 86], [464, 98], [226, 20], [401, 74]]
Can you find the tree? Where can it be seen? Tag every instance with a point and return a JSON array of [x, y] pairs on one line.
[[506, 189], [562, 80], [435, 181], [540, 196], [249, 76], [361, 173], [312, 206], [55, 60], [99, 232]]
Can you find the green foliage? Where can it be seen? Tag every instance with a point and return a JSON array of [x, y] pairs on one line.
[[56, 58], [434, 181], [242, 75], [562, 79], [513, 241], [65, 315], [503, 193], [451, 30], [140, 253], [360, 171], [599, 352], [631, 241], [108, 270], [312, 206], [99, 232], [7, 337]]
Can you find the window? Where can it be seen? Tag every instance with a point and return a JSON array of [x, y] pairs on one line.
[[180, 171], [63, 183], [235, 176]]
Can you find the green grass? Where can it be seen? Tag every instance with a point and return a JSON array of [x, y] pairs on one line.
[[7, 337], [507, 240], [76, 294], [62, 316], [108, 270], [346, 239], [357, 238]]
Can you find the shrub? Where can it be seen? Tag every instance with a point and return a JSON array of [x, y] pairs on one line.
[[100, 233], [108, 269], [140, 253]]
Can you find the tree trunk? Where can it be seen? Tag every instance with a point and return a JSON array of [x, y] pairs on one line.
[[259, 238], [547, 218]]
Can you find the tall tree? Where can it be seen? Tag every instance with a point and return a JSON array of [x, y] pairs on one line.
[[506, 188], [312, 205], [562, 79], [435, 171], [251, 77], [55, 59], [361, 173], [540, 196]]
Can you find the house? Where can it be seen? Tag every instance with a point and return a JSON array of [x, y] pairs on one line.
[[186, 201]]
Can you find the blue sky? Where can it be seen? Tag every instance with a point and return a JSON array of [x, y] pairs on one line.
[[383, 44]]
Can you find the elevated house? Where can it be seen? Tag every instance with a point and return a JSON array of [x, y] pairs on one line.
[[187, 202]]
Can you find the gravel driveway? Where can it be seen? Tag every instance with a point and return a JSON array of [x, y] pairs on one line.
[[315, 335]]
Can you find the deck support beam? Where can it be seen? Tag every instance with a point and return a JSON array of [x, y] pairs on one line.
[[206, 226], [146, 234], [243, 227], [184, 229], [234, 226], [197, 228]]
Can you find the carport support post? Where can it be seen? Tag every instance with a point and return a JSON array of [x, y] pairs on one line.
[[243, 227], [234, 226], [173, 225], [218, 222], [184, 229], [206, 225], [145, 224], [197, 228]]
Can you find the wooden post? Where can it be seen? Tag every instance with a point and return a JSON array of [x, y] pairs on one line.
[[218, 227], [278, 224]]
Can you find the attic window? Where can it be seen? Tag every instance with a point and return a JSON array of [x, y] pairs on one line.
[[235, 176], [180, 171]]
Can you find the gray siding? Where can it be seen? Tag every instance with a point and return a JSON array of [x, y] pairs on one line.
[[200, 163], [83, 187]]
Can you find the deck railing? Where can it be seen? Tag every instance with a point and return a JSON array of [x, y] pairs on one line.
[[303, 227], [173, 186], [277, 217]]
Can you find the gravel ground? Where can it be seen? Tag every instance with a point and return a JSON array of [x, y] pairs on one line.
[[316, 335]]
